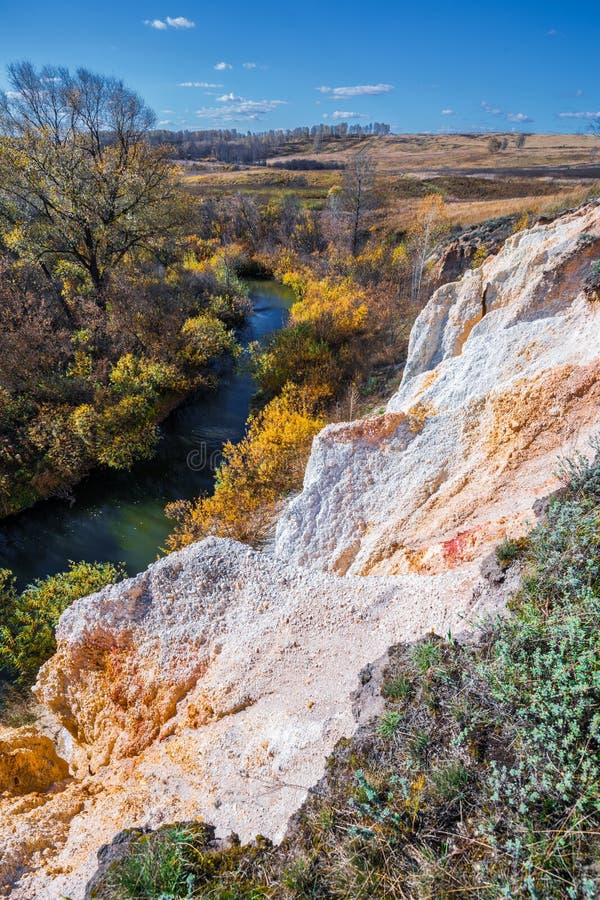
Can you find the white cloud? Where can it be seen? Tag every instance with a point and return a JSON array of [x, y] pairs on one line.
[[249, 65], [490, 110], [238, 109], [230, 98], [198, 84], [357, 90], [553, 32], [579, 115], [164, 122], [518, 117], [222, 66], [170, 22], [342, 115], [448, 112], [168, 112], [180, 22]]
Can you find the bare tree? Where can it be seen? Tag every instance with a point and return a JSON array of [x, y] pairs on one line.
[[333, 217], [359, 182], [243, 212], [428, 228]]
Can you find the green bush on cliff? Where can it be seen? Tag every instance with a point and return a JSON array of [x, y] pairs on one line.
[[482, 777], [183, 860], [28, 619]]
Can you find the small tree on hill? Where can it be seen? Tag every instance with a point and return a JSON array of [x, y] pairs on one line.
[[359, 182], [429, 226]]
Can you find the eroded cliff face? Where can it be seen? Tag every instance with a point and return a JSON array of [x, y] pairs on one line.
[[502, 376], [214, 684]]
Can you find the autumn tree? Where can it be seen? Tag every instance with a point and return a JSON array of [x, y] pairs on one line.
[[337, 309], [255, 475], [78, 182], [34, 339], [429, 226]]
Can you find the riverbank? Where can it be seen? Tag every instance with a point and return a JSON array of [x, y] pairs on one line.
[[117, 516]]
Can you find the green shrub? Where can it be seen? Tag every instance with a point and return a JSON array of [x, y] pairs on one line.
[[388, 724], [398, 688], [426, 655], [450, 780], [580, 474], [300, 878], [510, 549], [159, 871], [30, 618], [182, 860]]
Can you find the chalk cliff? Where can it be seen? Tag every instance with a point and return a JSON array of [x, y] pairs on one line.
[[501, 377], [214, 684]]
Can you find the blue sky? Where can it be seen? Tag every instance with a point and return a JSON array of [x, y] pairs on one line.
[[433, 66]]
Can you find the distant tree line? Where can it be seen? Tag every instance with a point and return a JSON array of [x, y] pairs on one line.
[[228, 145]]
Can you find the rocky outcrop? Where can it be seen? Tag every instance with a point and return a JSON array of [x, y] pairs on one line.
[[502, 376], [214, 684], [459, 254], [28, 762]]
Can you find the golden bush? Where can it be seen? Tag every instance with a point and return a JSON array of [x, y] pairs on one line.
[[265, 466]]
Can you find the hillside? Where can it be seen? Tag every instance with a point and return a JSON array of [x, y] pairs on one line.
[[213, 685], [541, 175], [428, 153], [477, 779]]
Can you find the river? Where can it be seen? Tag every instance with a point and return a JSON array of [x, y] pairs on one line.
[[119, 516]]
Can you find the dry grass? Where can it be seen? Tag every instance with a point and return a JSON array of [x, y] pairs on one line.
[[476, 184], [422, 153], [310, 187], [472, 212]]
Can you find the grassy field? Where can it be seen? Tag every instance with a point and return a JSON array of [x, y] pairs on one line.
[[423, 153], [547, 173]]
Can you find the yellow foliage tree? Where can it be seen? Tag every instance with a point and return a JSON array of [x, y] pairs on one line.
[[132, 375], [337, 308], [117, 435], [255, 474], [428, 227], [205, 337]]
